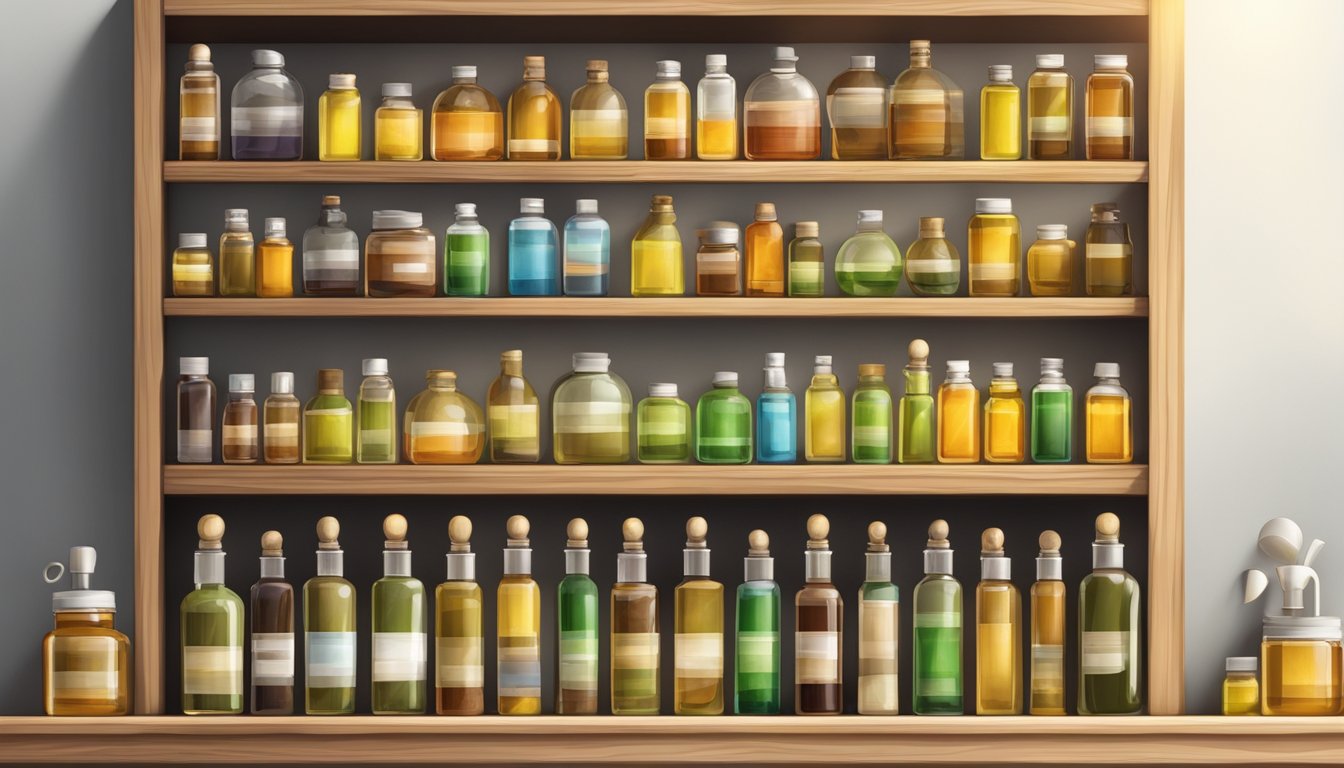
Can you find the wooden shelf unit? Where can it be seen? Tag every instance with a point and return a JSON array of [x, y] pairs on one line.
[[752, 8]]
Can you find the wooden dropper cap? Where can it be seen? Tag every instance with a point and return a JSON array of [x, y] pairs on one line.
[[577, 531], [272, 544], [198, 52], [818, 528], [517, 528], [210, 532], [918, 352], [459, 534], [1108, 528], [1049, 542], [697, 528], [328, 533], [394, 531], [877, 537], [938, 531], [758, 543], [632, 530], [991, 542]]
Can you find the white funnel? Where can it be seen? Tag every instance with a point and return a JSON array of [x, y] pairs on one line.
[[1293, 579]]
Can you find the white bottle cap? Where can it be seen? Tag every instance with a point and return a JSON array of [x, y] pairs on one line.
[[191, 240], [1003, 370], [716, 60], [862, 62], [397, 90], [465, 209], [235, 218], [282, 383], [783, 53], [1110, 61], [774, 359], [267, 58], [341, 81], [958, 366], [464, 71], [1000, 73], [275, 227], [1052, 364], [585, 205], [669, 68], [397, 220], [1106, 370], [821, 364], [591, 362], [375, 366], [1052, 232], [1050, 60], [242, 382], [193, 366], [725, 377], [993, 205], [870, 217], [662, 390], [532, 205], [1242, 663]]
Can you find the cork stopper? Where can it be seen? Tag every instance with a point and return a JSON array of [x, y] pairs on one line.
[[918, 352], [872, 369], [1108, 528], [818, 528], [597, 65], [272, 544], [517, 528], [1049, 542], [697, 528], [394, 531], [931, 228], [758, 543], [330, 381], [577, 533], [766, 212], [877, 537], [331, 201], [328, 531], [662, 203], [459, 534], [210, 532], [632, 530], [198, 52], [991, 542], [534, 67], [807, 229], [938, 531]]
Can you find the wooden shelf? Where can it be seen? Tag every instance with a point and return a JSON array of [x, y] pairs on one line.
[[649, 171], [641, 480], [665, 8], [676, 741]]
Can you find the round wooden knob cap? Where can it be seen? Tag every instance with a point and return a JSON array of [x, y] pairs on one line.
[[394, 527], [632, 529], [991, 540], [459, 529], [938, 530], [1049, 541], [818, 527], [517, 527], [577, 530], [697, 528], [918, 350], [328, 530], [1108, 527], [272, 541], [758, 541], [210, 528], [877, 532]]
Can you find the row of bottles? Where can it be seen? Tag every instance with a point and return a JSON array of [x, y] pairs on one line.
[[917, 117], [401, 258], [1109, 613], [591, 414]]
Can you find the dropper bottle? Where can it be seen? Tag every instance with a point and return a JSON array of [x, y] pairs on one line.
[[1047, 629], [998, 632], [879, 622], [272, 610], [577, 625], [399, 647], [698, 620], [937, 651], [756, 691], [818, 639], [916, 439], [634, 628], [1109, 615], [212, 631], [519, 625], [459, 634], [329, 628]]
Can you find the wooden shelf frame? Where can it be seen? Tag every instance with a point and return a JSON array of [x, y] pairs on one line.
[[967, 8]]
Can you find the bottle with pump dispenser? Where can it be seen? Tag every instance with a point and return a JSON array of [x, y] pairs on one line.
[[716, 129], [869, 262], [723, 423], [534, 115], [398, 125], [667, 115], [86, 662], [663, 427], [655, 253], [212, 631], [466, 122], [634, 629], [330, 253], [698, 622], [513, 412], [1299, 648], [1050, 110], [376, 415], [398, 626], [339, 120], [193, 269], [281, 415], [763, 242], [518, 627], [781, 113], [776, 416], [757, 645], [1110, 612], [577, 627], [856, 103], [958, 416], [198, 119], [329, 629], [807, 261], [459, 631], [237, 256], [587, 247], [238, 427], [871, 433], [534, 251], [272, 610], [1048, 601], [195, 411], [933, 264], [916, 440], [275, 262], [998, 632], [937, 618], [819, 611], [591, 413], [447, 426], [1052, 415], [466, 255], [266, 111], [824, 432], [1110, 418], [328, 432], [1005, 419], [1000, 116], [879, 625], [598, 118]]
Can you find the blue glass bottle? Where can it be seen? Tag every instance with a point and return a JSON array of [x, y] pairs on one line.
[[776, 416], [587, 251], [534, 263]]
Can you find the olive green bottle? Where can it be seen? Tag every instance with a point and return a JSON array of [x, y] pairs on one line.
[[1110, 678], [399, 652], [212, 632], [329, 629]]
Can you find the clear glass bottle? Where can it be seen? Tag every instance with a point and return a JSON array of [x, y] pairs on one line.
[[1110, 612], [1052, 415], [340, 120], [587, 251], [718, 263], [195, 411], [1005, 419], [266, 111], [1110, 418], [591, 412], [663, 427], [824, 433], [998, 632], [534, 115], [776, 416], [398, 125], [716, 111], [871, 433], [927, 109], [1050, 261], [698, 624], [818, 639], [723, 423], [447, 426], [238, 428], [1050, 110], [193, 266], [764, 240], [655, 253], [1000, 116], [399, 644], [376, 415], [994, 249], [667, 115], [807, 261], [916, 440], [329, 629], [869, 262], [933, 264], [211, 631], [237, 256], [1108, 253], [198, 105], [1241, 689], [399, 256], [466, 121], [856, 103], [459, 629], [598, 118], [757, 632], [275, 262], [634, 629], [466, 255], [937, 666], [879, 629], [330, 253], [958, 416], [514, 414], [328, 429], [280, 422], [1109, 97], [86, 662], [1047, 630], [534, 251], [781, 113], [577, 628], [271, 607]]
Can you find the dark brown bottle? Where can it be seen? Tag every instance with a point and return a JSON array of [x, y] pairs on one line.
[[818, 668], [272, 633]]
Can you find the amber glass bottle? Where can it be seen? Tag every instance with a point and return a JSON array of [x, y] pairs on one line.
[[764, 253], [534, 115]]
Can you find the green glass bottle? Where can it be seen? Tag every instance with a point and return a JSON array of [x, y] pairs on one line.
[[634, 629], [466, 255], [663, 427], [212, 632], [879, 622], [756, 690], [932, 263], [329, 629], [870, 439], [399, 646], [915, 436], [937, 649], [698, 623], [328, 421], [1110, 676], [807, 261], [376, 415], [869, 262], [1052, 415], [723, 423], [577, 626]]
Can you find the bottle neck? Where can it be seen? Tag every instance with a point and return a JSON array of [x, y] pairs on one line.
[[631, 568], [920, 59], [397, 562], [461, 566], [1108, 555], [511, 368], [817, 565], [916, 381], [996, 568], [272, 567], [238, 397], [209, 567], [464, 81], [576, 562], [877, 567], [330, 562], [332, 217], [517, 561], [758, 568], [937, 562], [1049, 568], [957, 378], [695, 562], [84, 619]]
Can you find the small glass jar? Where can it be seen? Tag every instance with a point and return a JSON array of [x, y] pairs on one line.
[[807, 261], [399, 256], [1300, 656], [193, 267], [933, 265], [1241, 691], [994, 249], [86, 662], [663, 427], [1109, 105], [718, 263], [1050, 261], [397, 125]]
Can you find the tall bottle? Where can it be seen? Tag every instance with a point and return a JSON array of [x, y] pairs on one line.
[[824, 433], [1052, 415], [275, 262], [663, 427], [1110, 418], [577, 627], [994, 249], [281, 416], [193, 268], [937, 653], [723, 423], [856, 103], [86, 662], [1110, 677], [466, 121], [212, 631], [466, 255], [998, 632], [916, 440], [698, 620], [587, 251], [447, 426], [1050, 261], [1050, 110], [1005, 419], [667, 115], [534, 251], [807, 261], [764, 241], [1109, 106], [518, 629], [534, 115], [655, 253], [634, 629], [776, 416], [933, 264], [376, 415], [716, 111], [598, 119], [1047, 630], [820, 612], [237, 257], [757, 639], [272, 610], [879, 628], [591, 412], [869, 263], [958, 416], [339, 120], [1109, 253], [398, 625], [329, 629], [328, 430], [459, 632], [195, 411], [398, 125], [926, 120], [238, 428], [266, 111], [198, 119], [1000, 116], [871, 432], [330, 253], [511, 406], [781, 113]]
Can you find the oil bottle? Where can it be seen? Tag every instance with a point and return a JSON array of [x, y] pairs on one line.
[[718, 262], [723, 423], [869, 262], [466, 254], [587, 248], [195, 411], [776, 416], [807, 261], [1050, 261], [634, 629], [198, 119], [1052, 415], [237, 257], [466, 121], [534, 251], [663, 427], [716, 128], [266, 111], [577, 627], [1000, 116], [655, 253], [238, 428], [399, 646], [1110, 418], [781, 113], [927, 111], [519, 626], [994, 249], [871, 431], [272, 609], [398, 125], [937, 652], [756, 689], [399, 256], [916, 441], [86, 662], [1109, 105], [1110, 677], [856, 103], [328, 435], [448, 427], [459, 633], [339, 120], [330, 253], [824, 435], [376, 415], [591, 414], [511, 406], [212, 631], [1047, 629], [998, 632], [1050, 110], [819, 670], [1108, 253], [281, 417], [534, 115], [932, 264], [764, 244], [958, 416], [193, 269], [667, 115], [329, 629], [879, 625], [698, 619], [1005, 419], [275, 262], [598, 118]]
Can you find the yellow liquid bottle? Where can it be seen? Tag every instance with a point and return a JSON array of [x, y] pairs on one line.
[[1050, 110], [1110, 419], [459, 631], [193, 266], [534, 115], [824, 405], [994, 249], [86, 662], [519, 626], [1050, 261], [1241, 690], [1109, 104], [958, 416], [716, 111], [998, 632], [275, 262], [698, 648], [339, 120], [655, 254], [764, 240], [1005, 419], [1000, 116], [1108, 255], [514, 414], [397, 125], [237, 257], [667, 115], [467, 123], [1048, 599], [634, 629], [198, 119], [598, 119]]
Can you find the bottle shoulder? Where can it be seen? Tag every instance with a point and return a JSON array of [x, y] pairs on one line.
[[466, 97]]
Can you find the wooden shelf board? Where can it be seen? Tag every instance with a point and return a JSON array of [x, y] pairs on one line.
[[664, 8], [676, 741], [674, 479]]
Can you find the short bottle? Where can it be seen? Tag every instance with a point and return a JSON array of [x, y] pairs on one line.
[[329, 629], [1050, 110], [933, 264], [398, 125], [266, 111], [193, 266], [328, 421], [211, 631], [1005, 419], [398, 628], [818, 637], [723, 423], [577, 628], [667, 115], [958, 416], [879, 629], [1110, 679], [716, 128], [466, 122], [698, 624], [466, 255], [534, 115], [927, 111], [655, 253], [447, 426], [591, 412], [807, 261], [275, 262], [376, 415], [781, 113], [514, 414], [1108, 253], [1241, 689], [1047, 630], [764, 240], [776, 416], [663, 427], [1050, 261], [340, 120], [399, 256], [198, 118], [534, 251], [916, 439], [86, 662], [598, 119], [869, 263], [281, 417], [1000, 116], [272, 612], [871, 433], [937, 685], [824, 401], [195, 411], [718, 261], [1052, 415], [634, 629], [1109, 106], [998, 632], [237, 257], [330, 253], [994, 249], [587, 246], [1110, 418], [757, 632], [459, 630], [856, 103], [238, 427]]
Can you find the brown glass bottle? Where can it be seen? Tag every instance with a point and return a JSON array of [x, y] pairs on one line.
[[272, 611], [195, 412], [818, 640], [238, 443]]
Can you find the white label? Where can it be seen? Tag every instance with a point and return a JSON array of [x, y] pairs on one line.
[[239, 434], [199, 129], [589, 417], [410, 267], [928, 266], [1110, 127], [212, 670], [1108, 250], [578, 660], [935, 619], [460, 662], [85, 685], [192, 271], [805, 271], [698, 654], [328, 412], [267, 121], [665, 128], [859, 108], [1051, 127], [272, 658], [331, 258], [440, 429], [817, 658], [331, 659], [994, 271], [533, 145], [919, 96], [398, 657], [1105, 653], [877, 630]]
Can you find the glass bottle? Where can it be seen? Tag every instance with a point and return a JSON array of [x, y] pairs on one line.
[[655, 253], [238, 442], [958, 416], [926, 111], [280, 418], [459, 631], [718, 263], [340, 120], [466, 121], [212, 631], [1241, 689], [856, 103], [764, 240], [998, 632], [757, 639], [198, 118], [1000, 116], [329, 629], [824, 402], [667, 115], [1050, 110], [776, 416], [1047, 630], [1110, 680], [1052, 415], [879, 629], [577, 627], [933, 264], [587, 251], [193, 266], [447, 426], [591, 412], [398, 627], [1108, 253], [994, 248], [871, 431], [266, 111], [819, 669], [869, 263], [519, 626], [408, 416], [514, 414], [466, 255], [1109, 97], [534, 251], [716, 111], [376, 415], [782, 113], [1005, 418], [399, 256], [328, 429], [723, 423], [86, 662], [663, 427], [698, 624], [237, 260], [195, 411], [275, 262], [916, 441], [398, 125], [634, 629], [1110, 418], [330, 253], [272, 611], [937, 666], [534, 115], [807, 261], [1050, 261], [598, 118]]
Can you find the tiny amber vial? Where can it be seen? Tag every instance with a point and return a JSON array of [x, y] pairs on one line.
[[193, 266]]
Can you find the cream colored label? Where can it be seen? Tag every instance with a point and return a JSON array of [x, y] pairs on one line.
[[918, 96], [634, 650], [328, 412], [1105, 653], [938, 619], [419, 247], [440, 429], [698, 654], [817, 658], [330, 658], [757, 652], [513, 422], [1110, 127], [398, 657], [598, 123], [287, 431], [272, 658], [1051, 127], [193, 273], [533, 145], [212, 670], [994, 271], [666, 128], [589, 417], [375, 437], [410, 267], [805, 271], [930, 266], [858, 107], [461, 662], [199, 128], [877, 630], [578, 661], [663, 428], [1047, 667], [794, 113], [239, 434], [872, 437], [85, 685], [193, 439], [1108, 250]]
